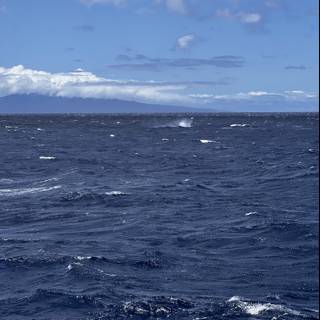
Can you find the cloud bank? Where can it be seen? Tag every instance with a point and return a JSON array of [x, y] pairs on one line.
[[141, 62], [82, 84], [116, 3]]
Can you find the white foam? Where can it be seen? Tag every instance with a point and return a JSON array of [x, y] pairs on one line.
[[115, 193], [39, 129], [239, 125], [18, 192], [112, 135], [251, 213], [165, 139], [181, 123], [83, 258], [185, 123], [50, 179], [71, 265], [47, 158], [234, 298], [255, 308], [206, 141]]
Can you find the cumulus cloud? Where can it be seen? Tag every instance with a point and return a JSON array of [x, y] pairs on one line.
[[185, 41], [79, 83], [243, 17]]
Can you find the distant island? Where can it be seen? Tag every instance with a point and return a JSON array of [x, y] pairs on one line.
[[34, 103], [47, 104]]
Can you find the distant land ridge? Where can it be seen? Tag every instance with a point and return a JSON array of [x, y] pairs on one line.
[[33, 103]]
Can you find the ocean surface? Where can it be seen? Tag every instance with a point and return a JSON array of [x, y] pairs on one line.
[[159, 217]]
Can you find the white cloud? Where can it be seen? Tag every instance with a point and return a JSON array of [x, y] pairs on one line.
[[78, 83], [243, 17], [177, 6], [249, 17], [288, 95], [224, 13], [19, 80], [185, 41], [116, 3]]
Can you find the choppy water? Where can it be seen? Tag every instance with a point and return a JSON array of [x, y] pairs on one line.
[[159, 217]]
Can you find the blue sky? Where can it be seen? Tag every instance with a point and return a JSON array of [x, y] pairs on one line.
[[212, 53]]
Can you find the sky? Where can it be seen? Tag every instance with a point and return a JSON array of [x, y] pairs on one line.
[[218, 54]]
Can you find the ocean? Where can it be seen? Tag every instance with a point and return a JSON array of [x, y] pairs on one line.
[[177, 216]]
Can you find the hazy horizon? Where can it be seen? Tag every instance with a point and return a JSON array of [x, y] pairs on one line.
[[221, 55]]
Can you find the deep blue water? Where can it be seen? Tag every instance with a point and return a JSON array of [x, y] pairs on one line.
[[133, 217]]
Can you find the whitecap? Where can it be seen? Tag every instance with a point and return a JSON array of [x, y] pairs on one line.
[[112, 135], [47, 158], [206, 141], [71, 265], [185, 123], [50, 179], [83, 258], [239, 125], [165, 139], [115, 193], [251, 213], [255, 308], [182, 123], [18, 192]]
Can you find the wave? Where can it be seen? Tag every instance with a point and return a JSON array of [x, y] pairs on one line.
[[40, 299], [206, 141], [251, 213], [182, 308], [185, 123], [94, 197], [23, 191], [181, 123], [45, 259], [256, 308], [47, 158], [6, 181], [239, 125], [102, 305], [115, 193]]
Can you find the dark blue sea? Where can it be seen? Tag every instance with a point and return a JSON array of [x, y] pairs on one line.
[[204, 216]]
